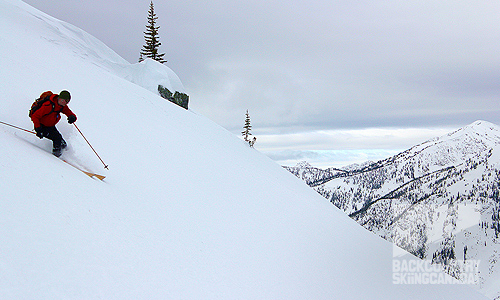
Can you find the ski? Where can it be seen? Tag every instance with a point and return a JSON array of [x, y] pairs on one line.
[[90, 174]]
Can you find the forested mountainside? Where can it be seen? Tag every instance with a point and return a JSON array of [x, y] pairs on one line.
[[438, 200]]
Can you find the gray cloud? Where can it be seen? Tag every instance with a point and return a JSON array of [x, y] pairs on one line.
[[306, 66]]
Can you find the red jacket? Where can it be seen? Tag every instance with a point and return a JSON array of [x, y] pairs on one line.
[[49, 113]]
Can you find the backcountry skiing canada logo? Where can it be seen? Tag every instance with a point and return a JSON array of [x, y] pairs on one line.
[[417, 271]]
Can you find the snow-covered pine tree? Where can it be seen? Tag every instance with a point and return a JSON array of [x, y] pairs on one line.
[[150, 49], [247, 128]]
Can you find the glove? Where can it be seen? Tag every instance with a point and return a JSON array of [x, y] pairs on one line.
[[71, 119], [39, 132]]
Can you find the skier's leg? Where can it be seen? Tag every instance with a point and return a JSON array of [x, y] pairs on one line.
[[57, 140]]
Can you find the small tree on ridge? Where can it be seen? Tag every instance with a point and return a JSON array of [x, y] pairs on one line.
[[150, 49], [247, 128]]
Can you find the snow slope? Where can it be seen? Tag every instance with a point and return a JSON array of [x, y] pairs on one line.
[[187, 211]]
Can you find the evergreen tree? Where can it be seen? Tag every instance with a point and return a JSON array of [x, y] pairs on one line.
[[246, 132], [150, 49]]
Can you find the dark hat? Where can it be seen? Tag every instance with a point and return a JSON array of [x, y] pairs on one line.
[[65, 95]]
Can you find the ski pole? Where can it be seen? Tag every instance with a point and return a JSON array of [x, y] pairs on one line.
[[105, 165], [18, 127]]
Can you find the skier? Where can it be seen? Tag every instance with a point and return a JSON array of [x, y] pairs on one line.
[[48, 115]]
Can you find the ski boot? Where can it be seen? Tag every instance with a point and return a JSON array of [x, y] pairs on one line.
[[57, 151]]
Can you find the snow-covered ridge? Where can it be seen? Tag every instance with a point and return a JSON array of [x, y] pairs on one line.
[[479, 132], [439, 199], [187, 210], [465, 143], [148, 74]]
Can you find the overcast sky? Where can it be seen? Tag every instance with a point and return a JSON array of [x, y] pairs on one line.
[[331, 82]]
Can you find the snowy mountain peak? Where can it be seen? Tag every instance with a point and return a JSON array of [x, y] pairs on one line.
[[304, 165], [484, 126], [482, 129], [473, 141], [438, 200], [479, 129]]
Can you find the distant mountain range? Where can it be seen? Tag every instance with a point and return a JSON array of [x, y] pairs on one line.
[[439, 200]]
